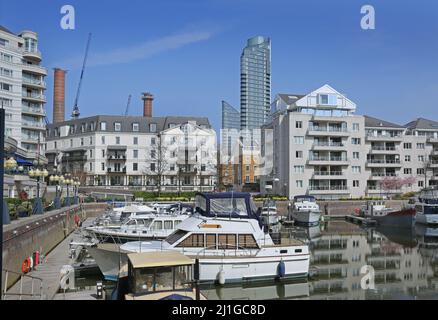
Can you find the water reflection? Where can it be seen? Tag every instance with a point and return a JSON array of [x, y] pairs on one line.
[[405, 264]]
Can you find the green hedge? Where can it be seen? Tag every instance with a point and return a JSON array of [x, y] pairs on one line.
[[164, 196]]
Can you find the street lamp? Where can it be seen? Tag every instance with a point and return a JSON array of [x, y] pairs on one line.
[[56, 179], [68, 181], [38, 174], [76, 184]]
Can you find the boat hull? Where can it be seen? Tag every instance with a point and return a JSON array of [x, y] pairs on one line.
[[404, 218], [109, 259], [427, 219], [306, 217]]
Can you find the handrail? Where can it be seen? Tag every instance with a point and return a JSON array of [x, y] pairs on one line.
[[21, 294]]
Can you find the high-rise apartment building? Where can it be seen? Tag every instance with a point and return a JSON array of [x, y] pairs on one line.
[[255, 83], [22, 88]]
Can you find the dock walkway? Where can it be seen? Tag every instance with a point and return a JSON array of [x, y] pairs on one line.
[[48, 271]]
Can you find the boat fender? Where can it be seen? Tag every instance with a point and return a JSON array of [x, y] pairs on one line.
[[281, 269], [31, 262], [221, 277], [25, 267]]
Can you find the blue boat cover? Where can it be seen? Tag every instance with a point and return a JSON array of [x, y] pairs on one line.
[[176, 297]]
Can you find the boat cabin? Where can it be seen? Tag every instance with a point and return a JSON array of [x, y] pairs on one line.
[[160, 275]]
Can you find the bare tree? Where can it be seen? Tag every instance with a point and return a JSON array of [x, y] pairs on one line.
[[426, 166], [159, 163]]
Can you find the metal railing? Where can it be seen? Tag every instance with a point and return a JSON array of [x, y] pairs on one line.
[[20, 294], [328, 158], [34, 96], [34, 82], [384, 161], [327, 188], [328, 173], [328, 129], [383, 148], [328, 144]]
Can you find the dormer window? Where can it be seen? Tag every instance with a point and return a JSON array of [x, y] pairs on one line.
[[117, 126], [327, 99], [135, 127]]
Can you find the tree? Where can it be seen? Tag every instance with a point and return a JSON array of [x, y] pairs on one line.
[[158, 160], [426, 166]]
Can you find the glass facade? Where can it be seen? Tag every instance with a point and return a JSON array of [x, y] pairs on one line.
[[255, 83], [230, 117]]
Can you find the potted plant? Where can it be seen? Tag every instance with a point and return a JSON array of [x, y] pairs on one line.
[[22, 211], [12, 212]]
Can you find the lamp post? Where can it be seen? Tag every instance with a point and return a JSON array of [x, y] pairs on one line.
[[68, 181], [38, 174], [76, 185], [56, 179]]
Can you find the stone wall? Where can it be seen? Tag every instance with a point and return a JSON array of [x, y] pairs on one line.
[[40, 233]]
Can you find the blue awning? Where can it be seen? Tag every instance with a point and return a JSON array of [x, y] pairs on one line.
[[24, 162]]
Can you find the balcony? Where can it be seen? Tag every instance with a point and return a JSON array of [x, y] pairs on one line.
[[33, 55], [384, 150], [328, 146], [74, 157], [328, 175], [33, 68], [379, 190], [434, 164], [33, 125], [34, 83], [327, 131], [33, 111], [379, 176], [340, 161], [113, 170], [328, 189], [30, 139], [116, 157], [34, 96], [376, 163], [384, 137], [432, 140]]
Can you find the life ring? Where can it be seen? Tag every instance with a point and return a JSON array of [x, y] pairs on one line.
[[25, 267], [357, 211]]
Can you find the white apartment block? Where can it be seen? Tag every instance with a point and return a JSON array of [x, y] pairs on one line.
[[136, 152], [322, 148], [22, 88]]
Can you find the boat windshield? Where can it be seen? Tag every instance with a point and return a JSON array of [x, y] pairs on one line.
[[201, 203], [228, 205]]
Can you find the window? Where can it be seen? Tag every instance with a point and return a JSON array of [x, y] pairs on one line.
[[117, 140], [157, 225], [5, 86], [153, 154], [355, 141], [135, 167], [247, 179], [247, 168], [193, 241], [299, 183], [299, 169], [91, 141], [227, 241], [355, 183], [421, 158], [3, 42], [91, 153], [420, 171], [135, 127], [356, 155], [172, 168], [421, 184], [299, 154], [82, 141], [408, 158], [356, 169], [153, 127], [153, 141], [247, 241], [168, 225], [356, 127], [135, 154], [152, 167], [103, 126], [420, 145], [407, 145], [135, 142], [298, 124], [174, 237], [117, 126], [103, 153], [407, 171], [299, 140], [71, 143], [210, 241], [328, 99], [102, 139], [91, 166], [103, 166]]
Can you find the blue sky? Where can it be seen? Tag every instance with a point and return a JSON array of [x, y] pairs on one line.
[[187, 52]]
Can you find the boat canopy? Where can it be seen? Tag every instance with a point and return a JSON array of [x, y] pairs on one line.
[[226, 204], [158, 259]]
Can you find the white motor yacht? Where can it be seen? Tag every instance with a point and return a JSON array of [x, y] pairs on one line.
[[269, 214], [228, 238], [305, 210], [427, 207]]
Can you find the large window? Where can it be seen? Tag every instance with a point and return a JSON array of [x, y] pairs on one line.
[[174, 237], [153, 127], [103, 126], [117, 126], [227, 241], [194, 241], [247, 241]]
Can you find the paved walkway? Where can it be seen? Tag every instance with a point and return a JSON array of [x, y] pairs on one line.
[[49, 271]]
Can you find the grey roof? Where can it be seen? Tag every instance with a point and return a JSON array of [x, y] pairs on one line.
[[290, 98], [126, 122], [6, 30], [372, 122], [422, 123]]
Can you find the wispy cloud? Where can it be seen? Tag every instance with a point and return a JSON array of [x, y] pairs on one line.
[[140, 51]]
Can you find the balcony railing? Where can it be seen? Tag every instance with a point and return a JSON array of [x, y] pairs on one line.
[[116, 157], [328, 144], [377, 161], [385, 136], [33, 124], [29, 138], [328, 173], [33, 110], [328, 129], [383, 148], [383, 174], [34, 82], [34, 96], [328, 159], [328, 188]]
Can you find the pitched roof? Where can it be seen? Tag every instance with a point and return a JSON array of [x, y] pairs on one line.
[[421, 123], [290, 98], [377, 123]]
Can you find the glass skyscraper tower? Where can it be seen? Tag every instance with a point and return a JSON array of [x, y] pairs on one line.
[[255, 83]]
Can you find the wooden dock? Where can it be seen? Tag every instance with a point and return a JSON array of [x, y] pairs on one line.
[[361, 220], [48, 272]]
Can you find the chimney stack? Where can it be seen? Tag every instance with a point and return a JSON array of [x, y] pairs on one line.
[[147, 104], [59, 96]]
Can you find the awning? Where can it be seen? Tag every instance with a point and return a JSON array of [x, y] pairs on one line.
[[24, 162]]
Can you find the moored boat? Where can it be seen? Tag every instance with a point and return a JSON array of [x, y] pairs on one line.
[[305, 210], [427, 207], [386, 216]]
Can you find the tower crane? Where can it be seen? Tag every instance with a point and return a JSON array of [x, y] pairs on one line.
[[75, 114], [128, 105]]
